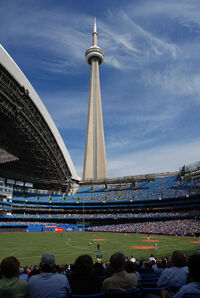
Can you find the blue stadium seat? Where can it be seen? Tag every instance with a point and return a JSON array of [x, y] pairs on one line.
[[150, 276], [128, 294], [102, 295], [149, 284], [151, 291], [191, 295]]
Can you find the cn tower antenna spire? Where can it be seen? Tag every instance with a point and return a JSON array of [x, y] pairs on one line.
[[95, 166], [94, 42], [95, 25]]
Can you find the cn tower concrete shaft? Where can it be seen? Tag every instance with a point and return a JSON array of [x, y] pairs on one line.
[[95, 166]]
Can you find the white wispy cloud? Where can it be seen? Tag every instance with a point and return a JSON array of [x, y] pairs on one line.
[[186, 12], [175, 82], [157, 44], [158, 159]]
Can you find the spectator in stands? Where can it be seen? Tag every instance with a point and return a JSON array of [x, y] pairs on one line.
[[132, 259], [82, 278], [47, 283], [99, 270], [132, 268], [177, 274], [10, 285], [194, 276], [146, 268], [120, 281], [23, 274], [152, 258], [35, 270]]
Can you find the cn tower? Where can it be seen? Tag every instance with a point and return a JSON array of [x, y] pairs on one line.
[[95, 166]]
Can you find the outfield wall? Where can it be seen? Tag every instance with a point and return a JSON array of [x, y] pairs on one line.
[[39, 228]]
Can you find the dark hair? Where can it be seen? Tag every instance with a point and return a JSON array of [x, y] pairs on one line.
[[118, 261], [194, 267], [46, 268], [83, 265], [130, 267], [98, 269], [10, 267], [178, 258]]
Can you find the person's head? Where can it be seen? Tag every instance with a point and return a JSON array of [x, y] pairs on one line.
[[130, 267], [47, 262], [178, 259], [83, 264], [194, 267], [98, 268], [10, 267], [118, 262]]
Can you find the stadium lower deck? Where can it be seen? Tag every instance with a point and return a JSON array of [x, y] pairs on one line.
[[166, 205]]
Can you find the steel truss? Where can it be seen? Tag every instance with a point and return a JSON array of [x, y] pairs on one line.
[[25, 134]]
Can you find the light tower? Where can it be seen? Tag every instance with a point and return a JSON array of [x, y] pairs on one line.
[[95, 166]]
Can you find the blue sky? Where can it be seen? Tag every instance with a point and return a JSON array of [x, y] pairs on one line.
[[150, 79]]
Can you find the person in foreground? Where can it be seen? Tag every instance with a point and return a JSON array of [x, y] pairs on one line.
[[82, 279], [176, 275], [47, 283], [10, 285], [193, 286], [120, 281]]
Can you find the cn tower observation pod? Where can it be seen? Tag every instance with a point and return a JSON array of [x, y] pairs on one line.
[[28, 133]]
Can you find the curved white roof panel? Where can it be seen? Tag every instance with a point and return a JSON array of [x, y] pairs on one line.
[[9, 64]]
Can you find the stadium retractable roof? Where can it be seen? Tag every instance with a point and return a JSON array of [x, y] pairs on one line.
[[28, 133]]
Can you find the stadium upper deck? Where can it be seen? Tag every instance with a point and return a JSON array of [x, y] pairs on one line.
[[159, 188], [32, 145]]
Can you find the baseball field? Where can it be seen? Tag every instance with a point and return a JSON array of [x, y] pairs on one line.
[[28, 247]]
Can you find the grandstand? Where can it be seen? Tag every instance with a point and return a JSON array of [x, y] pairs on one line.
[[191, 171], [100, 208]]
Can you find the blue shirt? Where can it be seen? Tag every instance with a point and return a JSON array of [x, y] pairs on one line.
[[48, 285], [192, 287], [176, 276]]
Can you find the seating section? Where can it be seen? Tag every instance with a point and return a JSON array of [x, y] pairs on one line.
[[173, 227], [167, 187], [165, 205]]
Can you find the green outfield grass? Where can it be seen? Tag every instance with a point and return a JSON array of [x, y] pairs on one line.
[[28, 247]]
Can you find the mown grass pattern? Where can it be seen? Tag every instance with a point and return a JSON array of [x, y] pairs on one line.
[[28, 247]]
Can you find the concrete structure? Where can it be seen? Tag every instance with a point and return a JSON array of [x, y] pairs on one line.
[[95, 166]]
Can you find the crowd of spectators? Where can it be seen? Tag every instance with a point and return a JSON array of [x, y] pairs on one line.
[[193, 212], [172, 227], [173, 276], [180, 227]]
